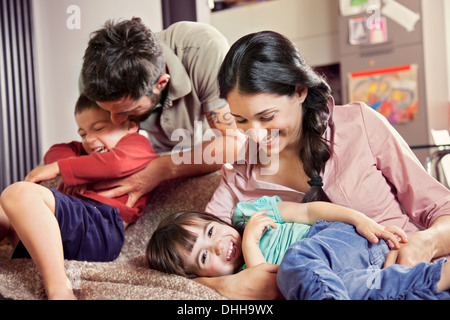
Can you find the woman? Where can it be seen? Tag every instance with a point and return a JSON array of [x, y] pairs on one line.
[[347, 154]]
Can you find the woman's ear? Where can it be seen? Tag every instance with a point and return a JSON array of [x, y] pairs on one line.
[[302, 93]]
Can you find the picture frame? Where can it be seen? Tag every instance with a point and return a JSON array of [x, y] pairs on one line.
[[358, 31], [378, 30], [355, 7]]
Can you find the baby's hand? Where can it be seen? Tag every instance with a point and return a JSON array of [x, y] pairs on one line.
[[373, 231], [256, 226]]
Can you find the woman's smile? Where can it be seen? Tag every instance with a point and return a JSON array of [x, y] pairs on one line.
[[273, 121]]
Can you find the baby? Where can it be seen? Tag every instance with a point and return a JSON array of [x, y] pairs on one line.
[[196, 244]]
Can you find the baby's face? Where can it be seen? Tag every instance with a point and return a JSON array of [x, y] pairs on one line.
[[217, 251], [98, 133]]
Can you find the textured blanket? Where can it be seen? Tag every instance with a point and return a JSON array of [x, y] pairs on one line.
[[128, 277]]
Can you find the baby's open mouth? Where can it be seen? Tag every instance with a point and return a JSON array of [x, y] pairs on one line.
[[232, 252], [100, 149]]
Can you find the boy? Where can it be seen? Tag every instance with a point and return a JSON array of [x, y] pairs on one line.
[[84, 225]]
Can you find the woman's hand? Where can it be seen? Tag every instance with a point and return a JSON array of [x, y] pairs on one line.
[[373, 231], [424, 246], [418, 249]]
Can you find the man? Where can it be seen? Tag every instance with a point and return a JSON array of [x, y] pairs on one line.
[[168, 81]]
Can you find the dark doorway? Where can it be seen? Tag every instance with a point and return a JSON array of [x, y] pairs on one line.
[[178, 10]]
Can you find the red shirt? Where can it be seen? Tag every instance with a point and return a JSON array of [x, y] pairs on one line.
[[131, 154]]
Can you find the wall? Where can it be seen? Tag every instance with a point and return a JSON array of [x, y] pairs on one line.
[[317, 29], [59, 53], [437, 62], [403, 48], [311, 24], [203, 11], [447, 34], [426, 47]]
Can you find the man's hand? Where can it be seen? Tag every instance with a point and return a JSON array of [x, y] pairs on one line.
[[138, 184]]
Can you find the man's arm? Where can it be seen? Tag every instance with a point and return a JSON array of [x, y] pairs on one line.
[[223, 148], [221, 119], [159, 170]]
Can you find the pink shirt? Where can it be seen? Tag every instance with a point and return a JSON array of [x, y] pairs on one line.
[[372, 170]]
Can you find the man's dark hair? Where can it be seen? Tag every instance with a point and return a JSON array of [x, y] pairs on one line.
[[123, 59]]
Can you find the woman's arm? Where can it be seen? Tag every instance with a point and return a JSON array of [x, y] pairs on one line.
[[310, 213]]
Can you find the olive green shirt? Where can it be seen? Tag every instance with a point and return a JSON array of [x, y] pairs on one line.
[[193, 52]]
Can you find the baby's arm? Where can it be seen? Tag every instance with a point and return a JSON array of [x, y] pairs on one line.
[[310, 213], [255, 227]]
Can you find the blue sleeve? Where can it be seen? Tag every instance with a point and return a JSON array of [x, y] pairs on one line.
[[244, 210]]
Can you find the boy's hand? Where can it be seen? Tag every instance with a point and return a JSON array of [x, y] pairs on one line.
[[373, 231], [256, 226], [43, 173]]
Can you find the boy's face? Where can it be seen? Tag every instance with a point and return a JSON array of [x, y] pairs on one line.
[[216, 252], [98, 133]]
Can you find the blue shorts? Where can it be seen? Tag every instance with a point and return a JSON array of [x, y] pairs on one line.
[[90, 231]]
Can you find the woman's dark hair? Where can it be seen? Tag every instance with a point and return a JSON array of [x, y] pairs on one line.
[[163, 250], [123, 59], [267, 62]]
